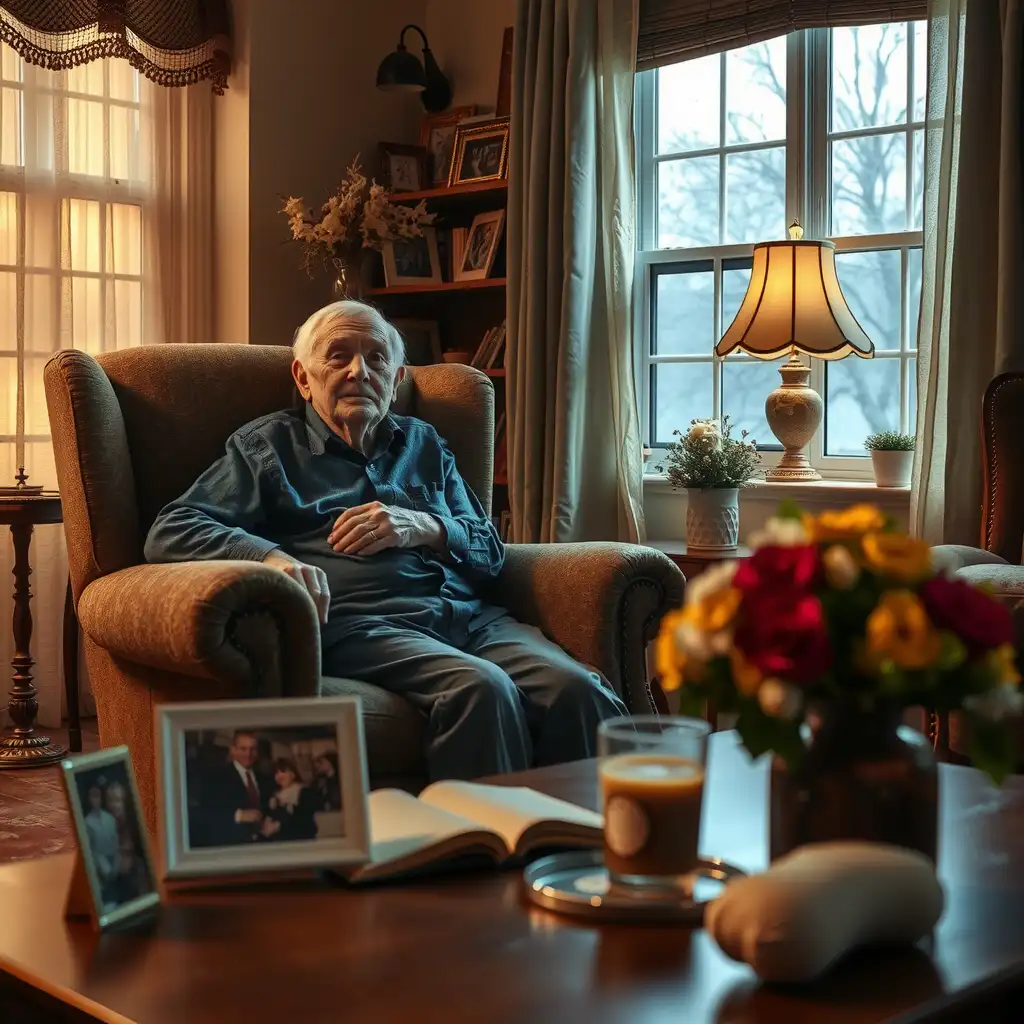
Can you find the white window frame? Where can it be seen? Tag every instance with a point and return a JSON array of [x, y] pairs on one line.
[[808, 191]]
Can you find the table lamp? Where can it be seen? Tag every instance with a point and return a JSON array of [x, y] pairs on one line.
[[794, 304]]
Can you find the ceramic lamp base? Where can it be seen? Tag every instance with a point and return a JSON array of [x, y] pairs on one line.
[[794, 411]]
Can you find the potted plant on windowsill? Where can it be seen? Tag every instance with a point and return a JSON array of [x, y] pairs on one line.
[[711, 465], [892, 455]]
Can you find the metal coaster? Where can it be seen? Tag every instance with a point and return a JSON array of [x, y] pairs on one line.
[[577, 883]]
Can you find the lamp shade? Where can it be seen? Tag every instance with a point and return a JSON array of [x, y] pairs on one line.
[[794, 304], [401, 70]]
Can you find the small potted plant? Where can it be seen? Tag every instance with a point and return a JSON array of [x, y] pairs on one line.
[[711, 465], [892, 455]]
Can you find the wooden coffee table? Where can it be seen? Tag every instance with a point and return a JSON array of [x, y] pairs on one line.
[[466, 949]]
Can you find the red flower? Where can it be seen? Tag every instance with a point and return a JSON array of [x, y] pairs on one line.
[[783, 633], [778, 568], [974, 616]]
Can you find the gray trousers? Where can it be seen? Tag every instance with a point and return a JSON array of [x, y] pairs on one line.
[[505, 700]]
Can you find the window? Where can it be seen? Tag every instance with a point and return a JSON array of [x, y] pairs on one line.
[[824, 127], [74, 198]]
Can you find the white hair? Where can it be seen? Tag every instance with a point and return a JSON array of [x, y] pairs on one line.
[[347, 316]]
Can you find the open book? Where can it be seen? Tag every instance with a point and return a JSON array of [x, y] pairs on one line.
[[451, 820]]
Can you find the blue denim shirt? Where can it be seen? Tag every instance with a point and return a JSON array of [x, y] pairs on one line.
[[286, 477]]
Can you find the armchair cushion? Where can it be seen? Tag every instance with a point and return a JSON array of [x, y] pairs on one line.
[[180, 617], [953, 557], [601, 602]]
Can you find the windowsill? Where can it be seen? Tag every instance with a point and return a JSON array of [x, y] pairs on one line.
[[815, 490]]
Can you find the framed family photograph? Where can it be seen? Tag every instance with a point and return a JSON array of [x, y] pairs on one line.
[[403, 168], [114, 879], [412, 260], [422, 341], [437, 136], [481, 246], [481, 152], [261, 785]]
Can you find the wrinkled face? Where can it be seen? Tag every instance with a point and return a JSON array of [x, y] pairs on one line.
[[283, 777], [243, 750], [350, 378]]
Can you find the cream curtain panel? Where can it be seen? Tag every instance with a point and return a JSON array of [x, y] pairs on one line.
[[104, 184], [574, 442], [675, 30], [972, 309]]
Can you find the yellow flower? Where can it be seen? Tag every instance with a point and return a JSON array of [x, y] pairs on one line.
[[715, 611], [1004, 664], [900, 631], [844, 524], [745, 675], [668, 659], [897, 555]]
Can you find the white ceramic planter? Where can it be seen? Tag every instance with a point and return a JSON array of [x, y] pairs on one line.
[[892, 469], [712, 519]]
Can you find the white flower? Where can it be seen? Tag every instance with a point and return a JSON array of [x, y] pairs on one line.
[[780, 533], [716, 578], [779, 699], [707, 431], [841, 568], [997, 703]]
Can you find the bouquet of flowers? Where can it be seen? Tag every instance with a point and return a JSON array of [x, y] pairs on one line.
[[707, 455], [359, 215], [845, 608]]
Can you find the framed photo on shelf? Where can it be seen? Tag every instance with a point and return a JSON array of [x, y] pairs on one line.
[[481, 152], [403, 167], [113, 880], [261, 785], [412, 260], [481, 246], [437, 137], [422, 341]]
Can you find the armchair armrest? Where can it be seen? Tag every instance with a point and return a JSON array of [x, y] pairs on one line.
[[194, 619], [601, 602], [953, 557]]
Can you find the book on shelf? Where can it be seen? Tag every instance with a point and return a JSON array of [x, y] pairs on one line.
[[459, 236], [480, 355], [488, 352], [453, 820], [494, 355]]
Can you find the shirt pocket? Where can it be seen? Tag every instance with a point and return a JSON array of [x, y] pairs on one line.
[[426, 497]]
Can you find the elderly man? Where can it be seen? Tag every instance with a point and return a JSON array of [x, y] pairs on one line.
[[367, 511]]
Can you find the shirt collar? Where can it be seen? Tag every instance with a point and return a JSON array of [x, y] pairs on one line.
[[320, 434]]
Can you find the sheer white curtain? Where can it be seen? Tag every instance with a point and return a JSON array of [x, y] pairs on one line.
[[94, 255]]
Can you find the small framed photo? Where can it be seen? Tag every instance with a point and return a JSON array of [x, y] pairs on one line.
[[422, 341], [481, 152], [437, 136], [114, 879], [403, 168], [261, 785], [412, 260], [481, 246]]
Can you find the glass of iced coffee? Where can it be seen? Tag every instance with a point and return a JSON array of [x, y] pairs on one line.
[[652, 780]]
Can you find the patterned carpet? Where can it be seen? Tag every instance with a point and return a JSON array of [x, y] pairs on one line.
[[33, 814]]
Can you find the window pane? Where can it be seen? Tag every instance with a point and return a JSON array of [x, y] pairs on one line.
[[42, 331], [124, 143], [862, 397], [871, 284], [685, 314], [913, 295], [124, 235], [8, 310], [755, 92], [126, 330], [734, 287], [42, 230], [85, 235], [681, 392], [689, 105], [920, 68], [10, 128], [12, 67], [869, 185], [124, 80], [917, 201], [86, 315], [688, 202], [36, 420], [87, 78], [869, 76], [755, 195], [85, 132], [745, 386], [8, 228], [912, 396]]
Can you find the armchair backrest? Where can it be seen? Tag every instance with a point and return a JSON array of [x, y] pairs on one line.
[[1002, 523], [133, 429]]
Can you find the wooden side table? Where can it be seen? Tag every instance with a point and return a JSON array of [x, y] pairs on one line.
[[23, 747]]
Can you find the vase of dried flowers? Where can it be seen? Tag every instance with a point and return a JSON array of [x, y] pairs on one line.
[[358, 218]]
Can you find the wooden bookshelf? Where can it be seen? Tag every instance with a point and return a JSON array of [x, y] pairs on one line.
[[440, 286], [495, 373], [455, 192]]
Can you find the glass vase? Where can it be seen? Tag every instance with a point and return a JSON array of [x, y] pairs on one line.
[[863, 776], [347, 280]]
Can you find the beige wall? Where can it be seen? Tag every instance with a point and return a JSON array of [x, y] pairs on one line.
[[465, 36]]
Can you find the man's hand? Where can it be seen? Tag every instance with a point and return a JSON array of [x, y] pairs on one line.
[[314, 580], [247, 816], [367, 529]]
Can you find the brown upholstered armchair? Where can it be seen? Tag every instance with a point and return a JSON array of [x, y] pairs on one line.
[[997, 563], [133, 429]]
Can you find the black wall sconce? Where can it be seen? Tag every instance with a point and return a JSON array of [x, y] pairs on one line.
[[401, 71]]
